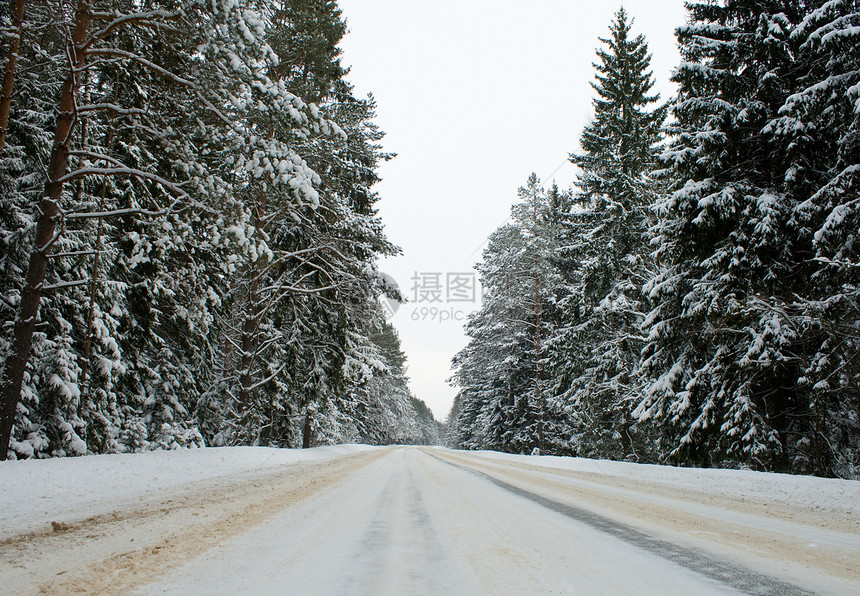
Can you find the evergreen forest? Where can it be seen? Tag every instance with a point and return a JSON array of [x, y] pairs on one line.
[[693, 298], [188, 232], [190, 245]]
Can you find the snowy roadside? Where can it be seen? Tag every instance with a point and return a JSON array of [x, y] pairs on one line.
[[40, 491], [37, 492], [802, 491], [356, 519]]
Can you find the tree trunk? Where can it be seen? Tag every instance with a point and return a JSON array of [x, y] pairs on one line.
[[307, 433], [94, 274], [249, 346], [538, 392], [9, 71], [626, 441], [49, 210], [91, 311], [250, 337]]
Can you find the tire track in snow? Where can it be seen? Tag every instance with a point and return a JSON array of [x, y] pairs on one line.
[[730, 574], [401, 517], [814, 547]]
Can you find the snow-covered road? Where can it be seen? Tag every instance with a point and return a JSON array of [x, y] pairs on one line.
[[434, 521]]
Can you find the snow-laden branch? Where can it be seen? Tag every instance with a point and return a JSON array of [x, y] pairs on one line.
[[117, 53], [145, 18], [97, 156], [111, 107], [308, 291], [78, 253], [118, 213], [266, 380], [279, 286], [123, 171], [232, 124], [67, 284]]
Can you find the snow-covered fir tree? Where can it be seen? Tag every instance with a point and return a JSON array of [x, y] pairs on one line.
[[493, 367], [179, 120], [748, 329], [429, 430], [596, 348], [820, 129], [502, 385]]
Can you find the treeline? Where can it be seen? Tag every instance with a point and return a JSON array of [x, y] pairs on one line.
[[188, 237], [694, 298]]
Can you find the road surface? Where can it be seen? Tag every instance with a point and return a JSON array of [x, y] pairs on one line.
[[406, 520]]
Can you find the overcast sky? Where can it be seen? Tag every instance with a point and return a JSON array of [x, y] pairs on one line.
[[474, 95]]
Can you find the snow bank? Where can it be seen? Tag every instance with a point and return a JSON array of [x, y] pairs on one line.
[[36, 492], [804, 491]]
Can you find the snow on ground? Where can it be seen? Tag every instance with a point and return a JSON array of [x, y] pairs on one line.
[[36, 492], [802, 491], [393, 521], [411, 524]]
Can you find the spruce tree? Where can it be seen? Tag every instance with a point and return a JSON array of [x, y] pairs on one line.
[[607, 243], [820, 128], [747, 294], [500, 373]]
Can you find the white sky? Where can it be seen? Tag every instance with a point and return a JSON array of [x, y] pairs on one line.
[[474, 95]]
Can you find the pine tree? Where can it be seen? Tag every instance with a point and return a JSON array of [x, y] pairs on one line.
[[200, 66], [820, 128], [607, 245], [27, 146], [503, 400], [303, 311], [737, 306]]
